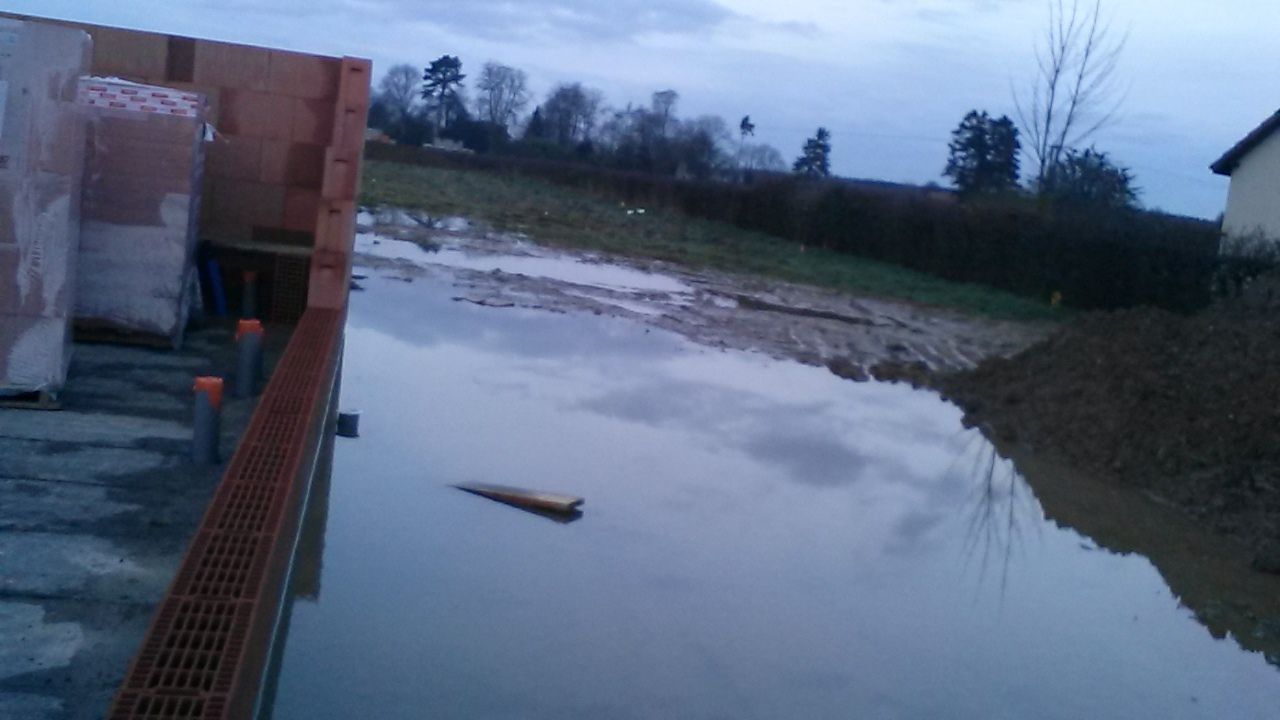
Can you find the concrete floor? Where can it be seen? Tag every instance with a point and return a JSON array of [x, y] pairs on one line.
[[97, 504]]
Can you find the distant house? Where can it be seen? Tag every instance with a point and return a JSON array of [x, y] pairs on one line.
[[1253, 202]]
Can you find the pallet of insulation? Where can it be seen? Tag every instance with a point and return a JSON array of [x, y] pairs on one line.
[[41, 163], [144, 162]]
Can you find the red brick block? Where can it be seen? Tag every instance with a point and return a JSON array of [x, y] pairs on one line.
[[340, 182], [255, 114], [305, 166], [312, 121], [336, 226], [348, 131], [244, 203], [231, 66], [330, 279], [273, 162], [312, 77], [295, 164], [128, 54], [354, 84], [300, 209], [353, 105], [234, 157]]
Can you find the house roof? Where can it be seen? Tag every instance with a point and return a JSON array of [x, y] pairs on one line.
[[1231, 159]]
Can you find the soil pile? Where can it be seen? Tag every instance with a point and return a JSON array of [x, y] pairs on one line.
[[1186, 408]]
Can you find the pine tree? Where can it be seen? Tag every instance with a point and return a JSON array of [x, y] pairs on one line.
[[983, 156], [815, 160], [440, 83]]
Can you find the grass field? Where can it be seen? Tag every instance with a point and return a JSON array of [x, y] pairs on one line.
[[558, 216]]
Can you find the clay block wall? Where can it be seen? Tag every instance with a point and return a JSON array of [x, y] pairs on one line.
[[285, 166]]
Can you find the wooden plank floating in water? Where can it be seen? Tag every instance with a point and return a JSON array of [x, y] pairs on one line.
[[533, 499]]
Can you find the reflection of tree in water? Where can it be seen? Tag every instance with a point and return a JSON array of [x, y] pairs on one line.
[[1000, 508]]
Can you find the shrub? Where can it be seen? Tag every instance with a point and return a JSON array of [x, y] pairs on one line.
[[1094, 258]]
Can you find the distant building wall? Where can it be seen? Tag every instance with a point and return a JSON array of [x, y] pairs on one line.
[[1253, 201]]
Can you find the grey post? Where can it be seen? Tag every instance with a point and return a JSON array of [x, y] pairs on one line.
[[206, 426], [248, 358]]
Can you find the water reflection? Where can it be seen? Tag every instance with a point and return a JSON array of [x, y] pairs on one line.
[[1000, 508], [1206, 573], [308, 559], [764, 540]]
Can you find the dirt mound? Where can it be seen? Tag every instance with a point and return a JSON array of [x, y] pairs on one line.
[[1187, 408]]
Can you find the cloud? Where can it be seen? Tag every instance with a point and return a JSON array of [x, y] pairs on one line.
[[525, 20], [812, 455]]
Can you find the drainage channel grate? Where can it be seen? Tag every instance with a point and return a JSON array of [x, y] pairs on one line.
[[246, 508], [147, 707], [212, 630], [223, 565]]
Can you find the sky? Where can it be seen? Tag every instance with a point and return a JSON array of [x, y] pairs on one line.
[[889, 78]]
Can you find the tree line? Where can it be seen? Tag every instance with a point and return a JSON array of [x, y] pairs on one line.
[[497, 113], [1069, 99]]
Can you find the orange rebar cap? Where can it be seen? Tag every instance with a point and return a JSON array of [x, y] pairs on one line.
[[248, 326], [211, 385]]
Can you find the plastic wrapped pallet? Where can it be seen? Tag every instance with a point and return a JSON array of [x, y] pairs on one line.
[[41, 163], [143, 168]]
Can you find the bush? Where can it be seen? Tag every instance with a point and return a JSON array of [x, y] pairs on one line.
[[1095, 258], [1244, 258]]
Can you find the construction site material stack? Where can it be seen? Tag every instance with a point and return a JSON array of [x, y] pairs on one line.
[[41, 161], [143, 170]]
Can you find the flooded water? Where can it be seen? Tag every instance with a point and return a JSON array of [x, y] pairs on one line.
[[760, 539], [564, 269]]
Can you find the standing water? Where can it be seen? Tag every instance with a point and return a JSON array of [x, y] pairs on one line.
[[760, 539]]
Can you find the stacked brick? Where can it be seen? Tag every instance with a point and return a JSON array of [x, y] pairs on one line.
[[285, 169], [143, 168], [336, 214], [285, 164], [41, 161]]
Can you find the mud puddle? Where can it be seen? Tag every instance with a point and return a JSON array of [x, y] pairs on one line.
[[782, 320], [760, 539]]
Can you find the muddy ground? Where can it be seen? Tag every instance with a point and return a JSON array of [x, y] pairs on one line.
[[849, 336], [1185, 409], [1182, 409]]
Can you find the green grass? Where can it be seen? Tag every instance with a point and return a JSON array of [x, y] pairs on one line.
[[564, 217]]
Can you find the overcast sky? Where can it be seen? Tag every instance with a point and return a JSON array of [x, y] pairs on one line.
[[889, 78]]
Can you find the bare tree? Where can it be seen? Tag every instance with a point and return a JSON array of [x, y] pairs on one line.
[[504, 93], [399, 90], [762, 157], [570, 113], [1073, 94]]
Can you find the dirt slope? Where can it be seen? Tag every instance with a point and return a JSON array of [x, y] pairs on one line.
[[1187, 409]]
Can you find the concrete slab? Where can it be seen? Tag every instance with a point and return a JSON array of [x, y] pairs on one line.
[[97, 505]]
